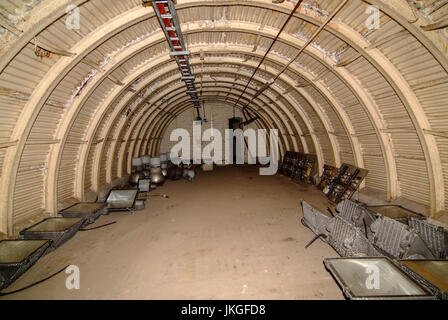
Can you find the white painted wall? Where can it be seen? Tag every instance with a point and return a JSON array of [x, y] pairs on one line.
[[218, 115]]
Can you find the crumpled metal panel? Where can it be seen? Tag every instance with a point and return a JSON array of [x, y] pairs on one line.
[[398, 240], [436, 238], [340, 235], [345, 237], [355, 214], [314, 219], [349, 240]]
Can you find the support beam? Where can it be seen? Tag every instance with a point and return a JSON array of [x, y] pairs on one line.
[[272, 101], [423, 84], [144, 124], [155, 63], [387, 39], [359, 158], [176, 93], [436, 133], [348, 61], [423, 129], [4, 145], [97, 67], [138, 45], [442, 24]]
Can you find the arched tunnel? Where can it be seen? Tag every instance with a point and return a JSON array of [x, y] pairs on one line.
[[86, 86]]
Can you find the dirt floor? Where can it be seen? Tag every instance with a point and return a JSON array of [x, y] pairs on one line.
[[230, 234]]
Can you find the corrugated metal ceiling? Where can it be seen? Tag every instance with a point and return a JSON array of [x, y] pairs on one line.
[[373, 98]]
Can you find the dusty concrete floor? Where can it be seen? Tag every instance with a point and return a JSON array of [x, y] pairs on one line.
[[230, 234]]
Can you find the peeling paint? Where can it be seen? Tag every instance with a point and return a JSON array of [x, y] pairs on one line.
[[133, 42], [14, 17], [313, 7], [325, 53]]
